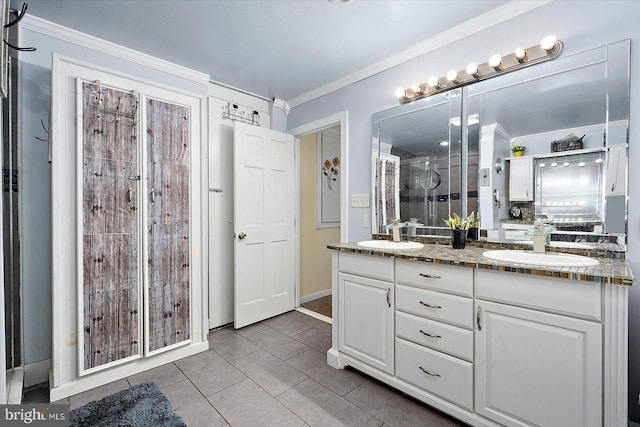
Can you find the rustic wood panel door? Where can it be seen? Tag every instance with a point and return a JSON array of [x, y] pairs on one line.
[[167, 169], [108, 197], [264, 200]]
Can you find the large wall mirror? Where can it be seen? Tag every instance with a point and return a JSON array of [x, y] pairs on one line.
[[452, 152]]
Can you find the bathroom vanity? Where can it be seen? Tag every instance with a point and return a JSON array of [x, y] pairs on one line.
[[488, 342]]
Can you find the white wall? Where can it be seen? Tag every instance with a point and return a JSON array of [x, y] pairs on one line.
[[35, 172], [580, 25]]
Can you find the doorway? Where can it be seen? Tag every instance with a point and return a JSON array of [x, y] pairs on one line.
[[321, 159], [319, 216]]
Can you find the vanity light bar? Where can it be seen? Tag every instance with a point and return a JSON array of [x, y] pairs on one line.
[[497, 65]]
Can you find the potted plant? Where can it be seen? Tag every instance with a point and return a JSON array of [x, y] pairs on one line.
[[458, 227], [517, 149], [473, 222]]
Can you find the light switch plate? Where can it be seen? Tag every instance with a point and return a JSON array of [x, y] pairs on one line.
[[485, 177], [365, 221], [359, 200]]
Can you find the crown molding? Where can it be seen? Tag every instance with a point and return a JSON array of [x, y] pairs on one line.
[[475, 25], [282, 105], [51, 29]]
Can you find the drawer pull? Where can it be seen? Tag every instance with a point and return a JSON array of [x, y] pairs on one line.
[[430, 276], [430, 305], [478, 318], [429, 335], [389, 296], [428, 373]]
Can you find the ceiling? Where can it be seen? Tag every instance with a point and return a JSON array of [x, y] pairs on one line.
[[272, 48]]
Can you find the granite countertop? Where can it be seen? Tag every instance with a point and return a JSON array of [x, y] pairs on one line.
[[611, 270]]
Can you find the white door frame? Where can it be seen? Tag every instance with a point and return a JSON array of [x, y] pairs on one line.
[[315, 126]]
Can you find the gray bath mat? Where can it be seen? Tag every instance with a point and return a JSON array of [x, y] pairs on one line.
[[141, 405]]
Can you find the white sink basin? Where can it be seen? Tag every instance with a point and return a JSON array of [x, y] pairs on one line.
[[549, 258], [388, 244]]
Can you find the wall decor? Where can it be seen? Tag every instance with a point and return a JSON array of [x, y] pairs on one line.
[[328, 161]]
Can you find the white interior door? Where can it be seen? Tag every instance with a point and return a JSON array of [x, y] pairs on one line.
[[264, 206]]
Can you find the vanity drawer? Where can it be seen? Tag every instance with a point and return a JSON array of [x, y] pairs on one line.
[[439, 336], [435, 372], [435, 305], [457, 280], [377, 267], [580, 299]]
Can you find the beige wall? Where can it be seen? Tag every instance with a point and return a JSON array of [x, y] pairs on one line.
[[315, 258]]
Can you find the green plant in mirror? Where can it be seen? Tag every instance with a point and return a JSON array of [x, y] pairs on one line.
[[456, 222], [473, 220]]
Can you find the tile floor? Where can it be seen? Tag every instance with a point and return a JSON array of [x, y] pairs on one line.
[[273, 373]]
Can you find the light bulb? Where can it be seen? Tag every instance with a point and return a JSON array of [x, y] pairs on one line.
[[472, 69], [444, 143], [495, 61], [554, 164], [542, 165], [565, 164], [417, 89], [452, 76], [433, 82], [400, 93], [581, 164], [521, 55], [598, 160], [548, 43]]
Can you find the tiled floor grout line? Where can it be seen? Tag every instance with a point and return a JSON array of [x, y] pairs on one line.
[[346, 395], [202, 394], [258, 385]]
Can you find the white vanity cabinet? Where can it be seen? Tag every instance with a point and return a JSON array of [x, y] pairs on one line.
[[491, 348], [521, 179], [535, 366], [434, 336], [366, 294]]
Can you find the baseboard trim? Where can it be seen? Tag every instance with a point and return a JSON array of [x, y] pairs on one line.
[[37, 373], [315, 295], [15, 382]]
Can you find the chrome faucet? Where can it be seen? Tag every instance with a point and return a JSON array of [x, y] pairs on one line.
[[395, 226], [541, 235]]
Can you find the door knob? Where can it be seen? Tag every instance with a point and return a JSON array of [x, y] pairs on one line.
[[242, 236]]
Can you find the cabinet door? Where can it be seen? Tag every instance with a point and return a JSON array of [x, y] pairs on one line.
[[110, 288], [521, 179], [616, 170], [168, 148], [534, 368], [366, 320]]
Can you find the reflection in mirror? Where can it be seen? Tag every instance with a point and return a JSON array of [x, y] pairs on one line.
[[417, 165], [566, 113], [538, 107], [571, 192]]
